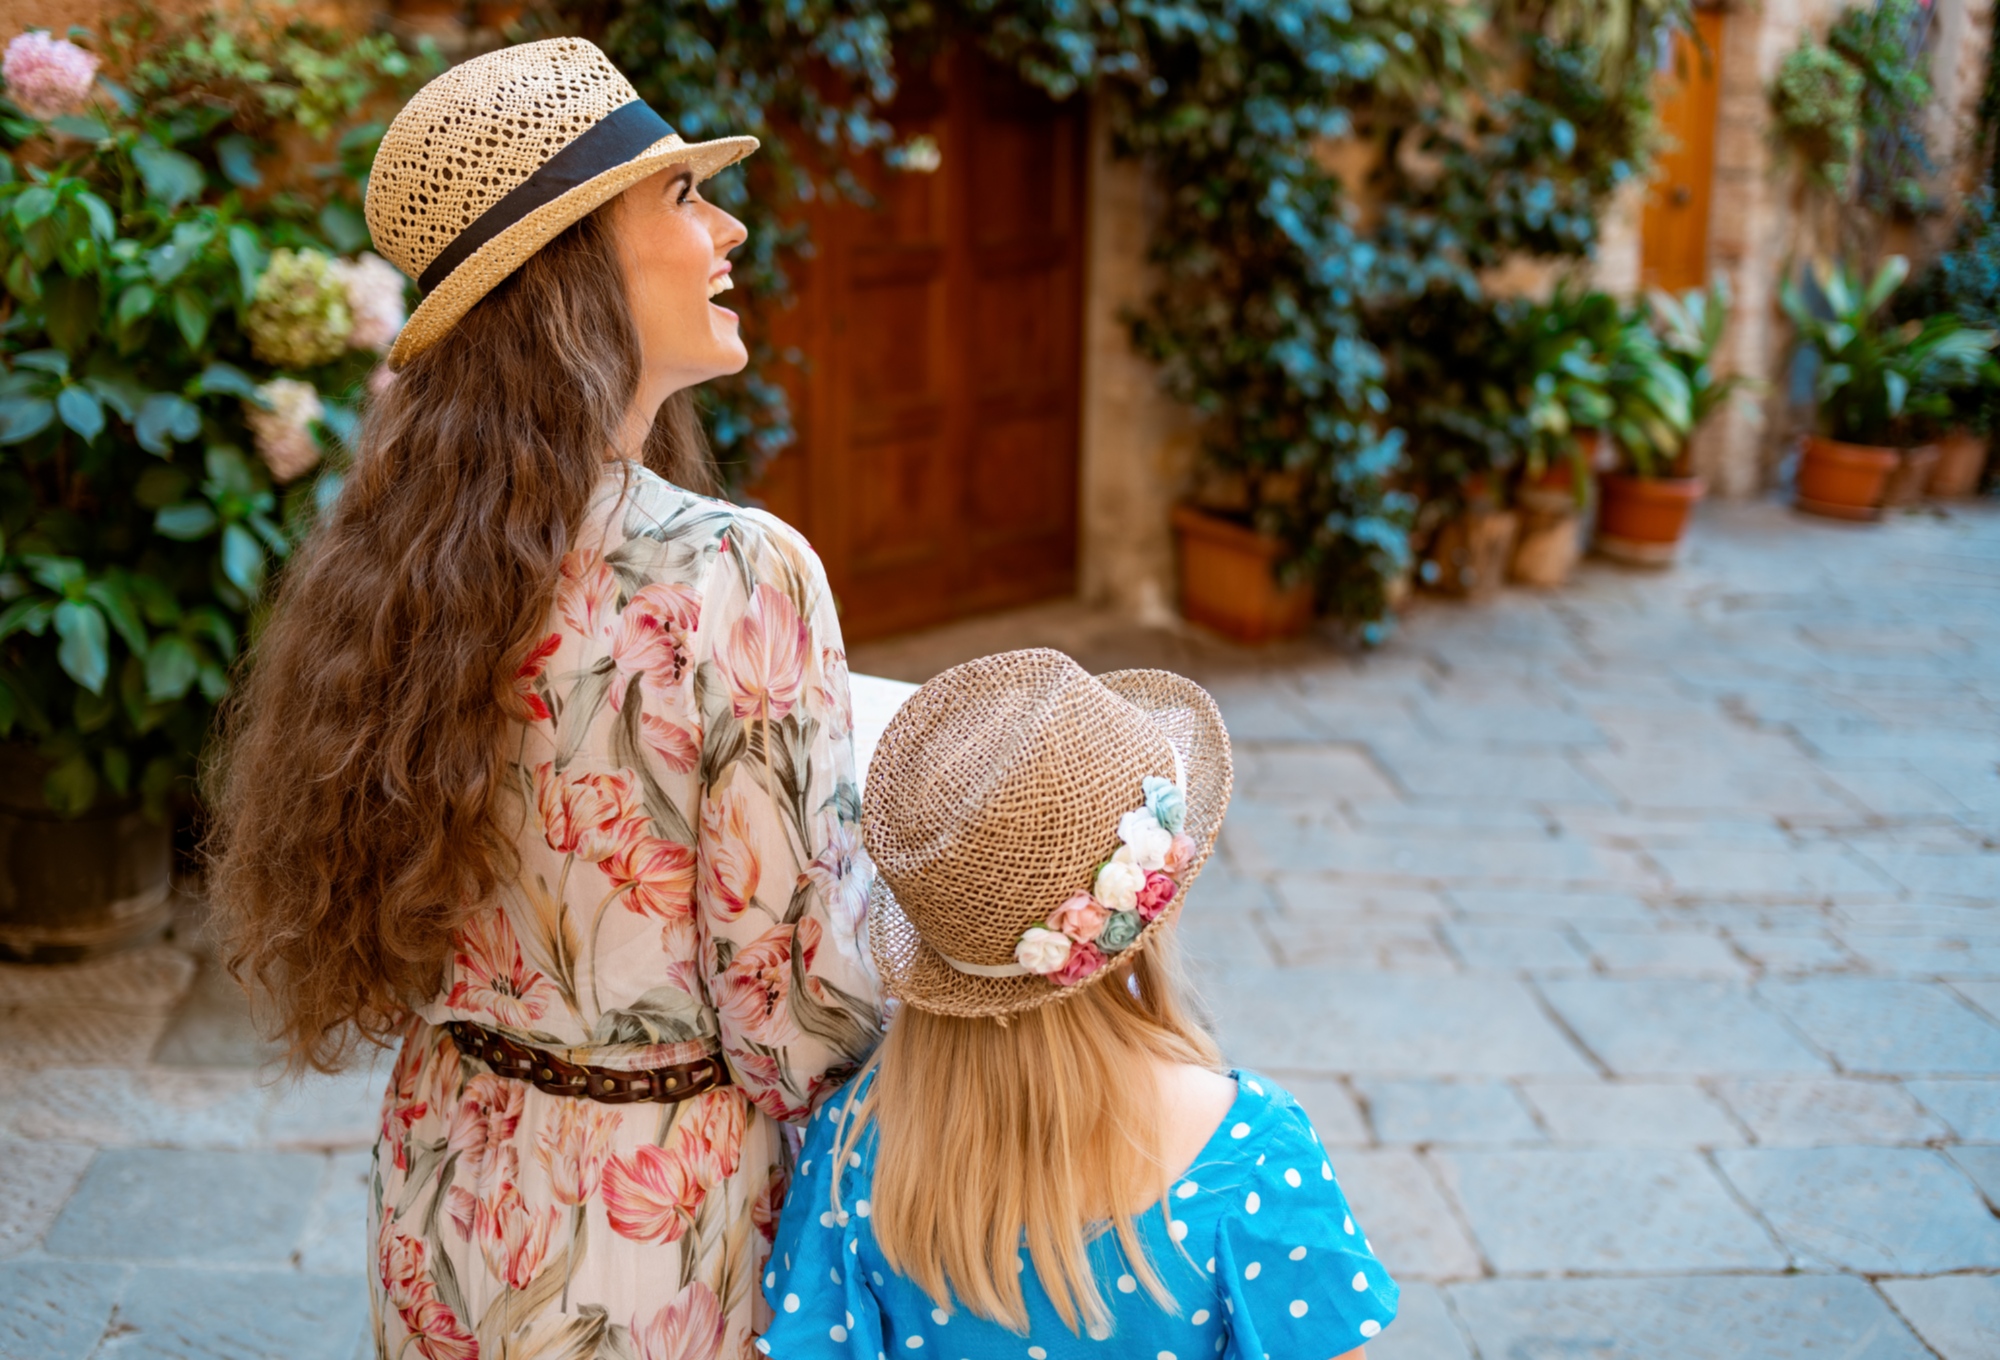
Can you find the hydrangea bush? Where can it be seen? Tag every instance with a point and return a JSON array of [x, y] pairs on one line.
[[189, 324]]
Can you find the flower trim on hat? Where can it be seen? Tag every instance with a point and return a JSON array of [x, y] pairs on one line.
[[1128, 892]]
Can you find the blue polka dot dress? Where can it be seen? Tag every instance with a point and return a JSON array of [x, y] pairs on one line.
[[1260, 1251]]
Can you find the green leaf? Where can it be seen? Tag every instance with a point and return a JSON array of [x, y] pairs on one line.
[[166, 419], [26, 616], [170, 176], [103, 225], [251, 259], [71, 787], [117, 769], [81, 411], [34, 203], [191, 315], [237, 155], [24, 417], [110, 594], [63, 575], [24, 281], [345, 229], [229, 472], [187, 521], [84, 127], [228, 380], [135, 302], [85, 652], [44, 361], [170, 668], [242, 559]]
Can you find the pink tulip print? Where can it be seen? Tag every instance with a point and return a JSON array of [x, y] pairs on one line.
[[586, 592], [752, 991], [573, 1148], [728, 870], [690, 1328], [652, 1196], [482, 1131], [490, 978], [763, 659], [588, 815], [513, 1237], [650, 642]]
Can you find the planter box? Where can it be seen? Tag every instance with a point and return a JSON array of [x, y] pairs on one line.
[[1961, 462], [1642, 520], [1913, 473], [1844, 481], [1229, 583]]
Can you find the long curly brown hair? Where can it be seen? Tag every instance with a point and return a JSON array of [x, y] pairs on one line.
[[353, 793]]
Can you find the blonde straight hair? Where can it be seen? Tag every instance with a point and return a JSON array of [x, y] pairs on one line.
[[1045, 1126]]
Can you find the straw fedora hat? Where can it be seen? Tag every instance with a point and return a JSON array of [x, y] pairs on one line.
[[490, 161], [1009, 806]]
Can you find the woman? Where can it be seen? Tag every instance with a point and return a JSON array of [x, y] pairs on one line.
[[543, 767], [1035, 829]]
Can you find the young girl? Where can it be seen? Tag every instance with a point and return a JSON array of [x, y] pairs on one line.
[[1047, 1158]]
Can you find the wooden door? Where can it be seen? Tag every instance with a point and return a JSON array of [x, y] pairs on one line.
[[938, 413], [1673, 240]]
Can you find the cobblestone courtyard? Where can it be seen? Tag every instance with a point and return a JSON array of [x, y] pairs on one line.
[[1636, 947]]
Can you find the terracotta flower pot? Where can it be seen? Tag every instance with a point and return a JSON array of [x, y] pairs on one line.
[[1913, 473], [1470, 554], [1641, 520], [1960, 464], [1844, 481], [1229, 581], [1550, 541]]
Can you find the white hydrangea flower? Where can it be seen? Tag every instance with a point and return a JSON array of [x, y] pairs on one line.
[[284, 432], [1118, 885], [48, 77], [1042, 951], [375, 298], [1146, 841]]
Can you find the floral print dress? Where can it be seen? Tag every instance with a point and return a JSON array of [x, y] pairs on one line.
[[682, 791]]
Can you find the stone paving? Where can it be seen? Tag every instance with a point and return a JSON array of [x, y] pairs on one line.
[[1636, 948]]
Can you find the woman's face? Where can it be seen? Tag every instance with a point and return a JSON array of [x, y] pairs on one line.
[[675, 248]]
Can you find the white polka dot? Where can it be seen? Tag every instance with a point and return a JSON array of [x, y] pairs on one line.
[[1298, 1307], [805, 1168], [1200, 1316], [763, 1345], [939, 1316], [837, 1332], [1177, 1230], [1255, 1087], [841, 1218], [1326, 1171], [1360, 1281], [833, 1273], [1187, 1190], [1251, 1203], [1218, 1342], [1370, 1327], [1240, 1131], [1037, 1353], [1097, 1331], [876, 1276], [915, 1343], [826, 1218], [791, 1303], [1253, 1270], [854, 1159], [1298, 1253], [853, 1249], [771, 1279], [1293, 1178], [1260, 1159], [850, 1318], [1165, 1355], [1211, 1265], [788, 1260], [1126, 1284], [1348, 1223], [863, 1207]]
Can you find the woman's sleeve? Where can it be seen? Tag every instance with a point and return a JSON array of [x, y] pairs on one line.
[[1295, 1271], [781, 879], [820, 1308]]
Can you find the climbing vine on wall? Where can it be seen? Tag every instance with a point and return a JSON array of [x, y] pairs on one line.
[[1272, 297]]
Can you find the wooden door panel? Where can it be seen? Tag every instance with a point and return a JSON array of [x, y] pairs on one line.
[[936, 466], [1673, 229]]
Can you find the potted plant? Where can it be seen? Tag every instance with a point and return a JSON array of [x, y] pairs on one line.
[[1876, 380], [1964, 281], [1231, 578], [180, 344], [1566, 403], [1645, 499]]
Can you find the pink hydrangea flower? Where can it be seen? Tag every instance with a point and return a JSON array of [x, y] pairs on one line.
[[375, 299], [1080, 918], [1084, 959], [284, 430], [48, 77], [1153, 898]]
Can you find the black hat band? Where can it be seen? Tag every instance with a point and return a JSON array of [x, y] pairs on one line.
[[613, 141]]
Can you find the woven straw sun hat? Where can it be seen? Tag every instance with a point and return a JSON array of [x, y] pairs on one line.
[[493, 159], [996, 794]]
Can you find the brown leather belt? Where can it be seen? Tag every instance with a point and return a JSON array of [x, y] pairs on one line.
[[610, 1086]]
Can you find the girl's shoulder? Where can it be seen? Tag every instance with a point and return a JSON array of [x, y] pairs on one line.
[[1266, 1127]]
